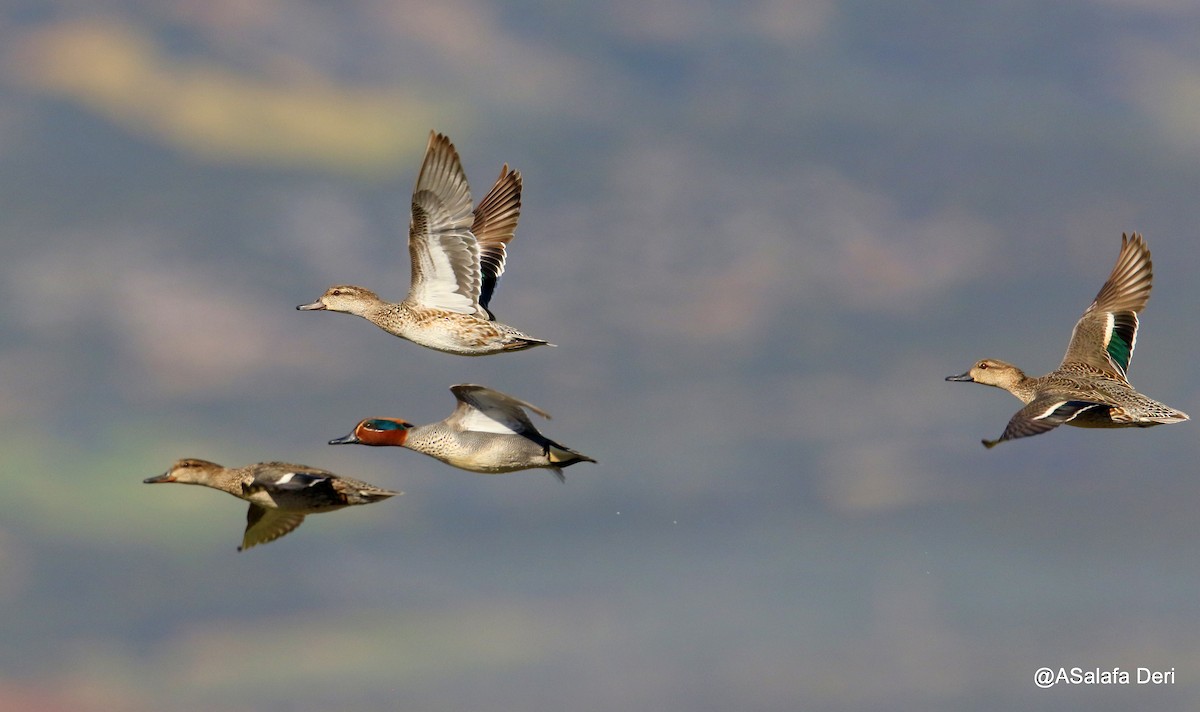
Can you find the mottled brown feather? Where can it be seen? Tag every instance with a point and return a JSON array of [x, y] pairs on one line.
[[1123, 295]]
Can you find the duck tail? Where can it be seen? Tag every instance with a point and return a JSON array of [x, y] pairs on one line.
[[565, 457], [520, 343], [1177, 416], [369, 494]]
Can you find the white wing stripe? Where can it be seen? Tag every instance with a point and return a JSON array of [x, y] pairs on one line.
[[490, 422], [439, 284]]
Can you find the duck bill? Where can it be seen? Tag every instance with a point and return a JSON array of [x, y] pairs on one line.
[[164, 477], [311, 307], [962, 378], [350, 439]]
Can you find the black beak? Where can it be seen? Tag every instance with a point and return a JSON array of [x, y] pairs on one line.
[[164, 477], [962, 377], [345, 440]]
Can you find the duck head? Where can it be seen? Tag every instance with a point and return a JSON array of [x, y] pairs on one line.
[[377, 432], [188, 471], [992, 372], [344, 298]]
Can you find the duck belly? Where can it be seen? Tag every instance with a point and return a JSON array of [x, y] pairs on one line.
[[496, 454]]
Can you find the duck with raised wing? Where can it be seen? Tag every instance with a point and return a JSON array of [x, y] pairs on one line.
[[1089, 389], [280, 494], [457, 257], [488, 432]]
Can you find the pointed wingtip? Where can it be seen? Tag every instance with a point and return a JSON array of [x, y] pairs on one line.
[[989, 444]]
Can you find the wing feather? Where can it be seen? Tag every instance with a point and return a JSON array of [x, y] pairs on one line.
[[443, 251], [482, 409], [1042, 415], [1106, 334], [264, 525], [495, 225]]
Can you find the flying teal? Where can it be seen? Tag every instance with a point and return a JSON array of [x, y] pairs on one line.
[[1089, 389], [280, 494], [488, 432], [457, 257]]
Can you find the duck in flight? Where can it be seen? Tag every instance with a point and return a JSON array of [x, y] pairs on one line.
[[1089, 389], [488, 432], [457, 256], [280, 494]]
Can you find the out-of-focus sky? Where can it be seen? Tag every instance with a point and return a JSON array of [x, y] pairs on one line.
[[761, 232]]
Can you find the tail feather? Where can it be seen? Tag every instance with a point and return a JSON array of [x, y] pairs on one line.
[[561, 457], [520, 343], [565, 457]]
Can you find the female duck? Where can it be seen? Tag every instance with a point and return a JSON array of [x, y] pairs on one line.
[[280, 494], [457, 256], [1089, 388], [488, 432]]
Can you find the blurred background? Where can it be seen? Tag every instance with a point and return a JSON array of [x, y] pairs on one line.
[[761, 232]]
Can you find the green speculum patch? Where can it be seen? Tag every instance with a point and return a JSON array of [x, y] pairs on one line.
[[1120, 342]]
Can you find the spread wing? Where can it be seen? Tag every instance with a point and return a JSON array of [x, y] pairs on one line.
[[1042, 415], [444, 252], [484, 410], [264, 525], [495, 225], [1106, 334]]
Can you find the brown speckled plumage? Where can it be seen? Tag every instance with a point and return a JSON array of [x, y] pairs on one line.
[[457, 255], [1090, 388], [280, 493]]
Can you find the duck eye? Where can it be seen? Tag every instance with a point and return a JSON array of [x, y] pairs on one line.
[[983, 365]]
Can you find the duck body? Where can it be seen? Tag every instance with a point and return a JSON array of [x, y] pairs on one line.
[[488, 432], [438, 329], [1089, 389], [280, 494], [490, 452], [1074, 395], [457, 256]]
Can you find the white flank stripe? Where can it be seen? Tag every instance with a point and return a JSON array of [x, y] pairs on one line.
[[1079, 412], [1050, 411]]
